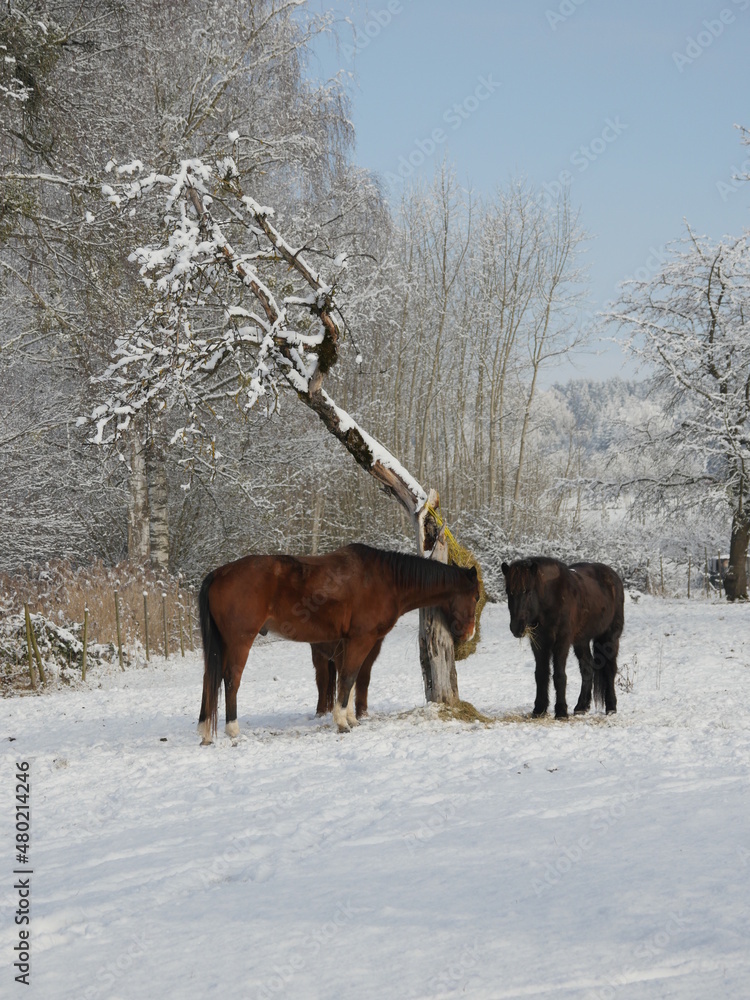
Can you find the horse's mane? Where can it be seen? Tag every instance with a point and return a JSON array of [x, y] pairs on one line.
[[414, 571], [520, 576], [522, 573]]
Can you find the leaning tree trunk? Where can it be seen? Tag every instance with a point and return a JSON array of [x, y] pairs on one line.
[[735, 581], [436, 649]]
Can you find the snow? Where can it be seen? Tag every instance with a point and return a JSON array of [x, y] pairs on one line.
[[411, 858]]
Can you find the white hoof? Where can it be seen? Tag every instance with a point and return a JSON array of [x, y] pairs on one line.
[[340, 718], [204, 731], [232, 729], [351, 711]]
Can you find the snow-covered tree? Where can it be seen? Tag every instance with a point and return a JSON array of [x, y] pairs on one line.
[[87, 81], [243, 312], [691, 323]]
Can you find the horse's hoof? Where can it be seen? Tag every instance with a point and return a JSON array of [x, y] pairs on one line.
[[561, 715], [206, 742], [232, 729], [611, 711], [579, 711], [537, 714]]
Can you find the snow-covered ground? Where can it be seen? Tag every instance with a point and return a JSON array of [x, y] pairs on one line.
[[413, 857]]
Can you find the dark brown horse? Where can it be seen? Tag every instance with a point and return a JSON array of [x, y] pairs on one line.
[[350, 598], [559, 606]]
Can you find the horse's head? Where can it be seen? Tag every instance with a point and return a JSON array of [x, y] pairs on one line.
[[462, 606], [522, 581]]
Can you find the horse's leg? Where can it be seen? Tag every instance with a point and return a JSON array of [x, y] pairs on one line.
[[235, 659], [586, 663], [323, 666], [559, 659], [349, 658], [331, 689], [363, 679], [541, 675], [606, 648]]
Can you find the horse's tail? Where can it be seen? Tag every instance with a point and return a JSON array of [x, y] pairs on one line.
[[601, 671], [606, 648], [213, 656]]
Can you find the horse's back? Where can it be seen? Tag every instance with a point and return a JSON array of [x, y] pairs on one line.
[[605, 589]]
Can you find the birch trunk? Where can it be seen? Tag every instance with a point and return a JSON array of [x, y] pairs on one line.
[[138, 518], [158, 497]]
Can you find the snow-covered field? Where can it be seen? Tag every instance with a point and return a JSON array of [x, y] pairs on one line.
[[598, 857]]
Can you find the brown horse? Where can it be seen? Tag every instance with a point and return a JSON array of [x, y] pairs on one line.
[[559, 606], [350, 598]]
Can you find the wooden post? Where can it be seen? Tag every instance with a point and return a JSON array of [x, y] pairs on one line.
[[164, 617], [689, 562], [705, 575], [661, 571], [37, 657], [145, 622], [28, 647], [85, 642], [436, 651], [179, 622], [119, 635]]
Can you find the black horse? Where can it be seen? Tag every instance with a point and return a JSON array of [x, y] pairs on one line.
[[559, 606]]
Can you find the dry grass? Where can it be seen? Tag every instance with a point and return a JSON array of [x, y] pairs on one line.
[[463, 711], [61, 592]]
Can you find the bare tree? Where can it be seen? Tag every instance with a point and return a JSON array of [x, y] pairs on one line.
[[691, 322]]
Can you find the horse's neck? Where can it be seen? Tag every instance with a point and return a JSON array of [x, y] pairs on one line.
[[424, 595]]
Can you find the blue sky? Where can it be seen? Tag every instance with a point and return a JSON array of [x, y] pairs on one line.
[[632, 103]]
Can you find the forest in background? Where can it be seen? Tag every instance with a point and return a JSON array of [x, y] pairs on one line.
[[456, 310]]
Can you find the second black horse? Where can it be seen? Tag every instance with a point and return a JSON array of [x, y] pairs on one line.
[[559, 606]]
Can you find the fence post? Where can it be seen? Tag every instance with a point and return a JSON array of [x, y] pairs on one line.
[[689, 561], [164, 616], [85, 642], [28, 646], [145, 621], [119, 636], [661, 571], [37, 656], [705, 553]]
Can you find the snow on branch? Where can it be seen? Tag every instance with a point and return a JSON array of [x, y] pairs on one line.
[[239, 311]]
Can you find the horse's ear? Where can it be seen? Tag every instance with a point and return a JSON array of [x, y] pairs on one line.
[[473, 572], [505, 568], [533, 566]]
